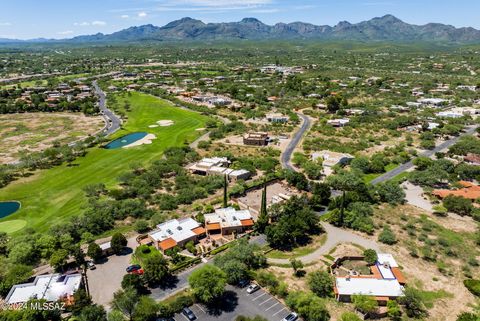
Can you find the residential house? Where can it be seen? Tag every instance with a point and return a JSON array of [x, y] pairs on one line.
[[277, 118], [256, 139], [51, 288], [386, 282], [338, 122], [228, 220], [176, 232], [473, 159], [330, 159]]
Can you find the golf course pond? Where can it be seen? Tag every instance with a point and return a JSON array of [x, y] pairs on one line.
[[125, 140], [8, 208]]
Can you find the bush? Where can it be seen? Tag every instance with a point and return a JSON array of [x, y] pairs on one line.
[[473, 286], [141, 226], [118, 242], [321, 283], [350, 316], [370, 256], [387, 236], [458, 205]]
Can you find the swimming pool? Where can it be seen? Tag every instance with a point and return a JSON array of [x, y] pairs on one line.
[[125, 140], [8, 208]]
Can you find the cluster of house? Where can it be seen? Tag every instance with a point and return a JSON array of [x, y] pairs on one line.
[[218, 166], [285, 70], [458, 112], [386, 281], [178, 232], [61, 92]]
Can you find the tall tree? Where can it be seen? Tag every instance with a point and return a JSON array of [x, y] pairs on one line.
[[208, 283], [262, 220], [225, 196]]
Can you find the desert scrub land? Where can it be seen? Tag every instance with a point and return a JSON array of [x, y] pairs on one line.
[[34, 132]]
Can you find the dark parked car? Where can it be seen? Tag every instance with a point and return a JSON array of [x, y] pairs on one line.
[[134, 267], [243, 283], [165, 319], [189, 314]]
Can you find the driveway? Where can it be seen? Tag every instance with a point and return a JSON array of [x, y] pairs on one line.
[[335, 236], [238, 302], [414, 196], [297, 137], [107, 277]]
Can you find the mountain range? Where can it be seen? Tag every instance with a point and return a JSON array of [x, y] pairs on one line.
[[386, 28]]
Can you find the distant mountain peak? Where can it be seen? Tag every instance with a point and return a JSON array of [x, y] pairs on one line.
[[385, 28]]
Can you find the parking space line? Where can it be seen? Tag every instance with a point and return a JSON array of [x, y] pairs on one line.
[[184, 317], [278, 312], [272, 306], [266, 300], [260, 296], [198, 306]]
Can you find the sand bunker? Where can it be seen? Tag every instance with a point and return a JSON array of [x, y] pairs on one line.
[[165, 122], [152, 126], [200, 129], [144, 141]]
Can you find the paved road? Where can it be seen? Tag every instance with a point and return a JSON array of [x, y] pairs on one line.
[[238, 302], [335, 236], [112, 122], [287, 154], [429, 153], [27, 77]]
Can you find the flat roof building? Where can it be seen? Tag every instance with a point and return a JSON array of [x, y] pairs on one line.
[[256, 139], [176, 232], [228, 220], [52, 287]]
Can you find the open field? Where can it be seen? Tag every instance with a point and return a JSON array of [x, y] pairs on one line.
[[53, 195], [31, 132]]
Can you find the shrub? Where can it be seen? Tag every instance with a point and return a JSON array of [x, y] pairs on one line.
[[370, 256], [387, 236], [473, 286], [141, 226], [321, 283]]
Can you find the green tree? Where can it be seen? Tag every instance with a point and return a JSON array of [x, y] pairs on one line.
[[390, 192], [350, 316], [58, 260], [94, 251], [413, 303], [133, 281], [118, 243], [467, 316], [297, 266], [262, 221], [370, 256], [125, 302], [208, 283], [225, 191], [141, 226], [146, 309], [393, 310], [364, 303], [93, 313], [81, 300], [458, 204], [321, 283], [155, 269]]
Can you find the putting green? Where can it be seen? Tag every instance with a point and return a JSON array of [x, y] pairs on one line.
[[12, 226], [52, 196]]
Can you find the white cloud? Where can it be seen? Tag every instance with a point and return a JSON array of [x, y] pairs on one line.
[[82, 24], [223, 3], [66, 32], [98, 23], [5, 24], [124, 16], [142, 14]]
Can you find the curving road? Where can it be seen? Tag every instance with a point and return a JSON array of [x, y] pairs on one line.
[[429, 153], [287, 154], [112, 122]]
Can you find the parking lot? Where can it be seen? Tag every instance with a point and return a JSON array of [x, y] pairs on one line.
[[239, 302]]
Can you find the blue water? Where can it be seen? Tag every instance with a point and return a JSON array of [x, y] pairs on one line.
[[125, 140], [7, 208]]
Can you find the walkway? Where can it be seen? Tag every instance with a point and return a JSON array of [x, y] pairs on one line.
[[335, 236]]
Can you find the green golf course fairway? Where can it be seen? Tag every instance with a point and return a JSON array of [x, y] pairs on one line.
[[51, 196]]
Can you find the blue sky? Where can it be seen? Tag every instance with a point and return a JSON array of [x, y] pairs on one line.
[[26, 19]]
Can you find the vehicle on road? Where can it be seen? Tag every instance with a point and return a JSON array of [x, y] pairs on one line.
[[189, 314], [133, 267], [291, 317], [252, 288], [91, 265], [165, 319]]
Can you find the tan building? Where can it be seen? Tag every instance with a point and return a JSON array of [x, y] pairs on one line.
[[256, 139], [228, 220]]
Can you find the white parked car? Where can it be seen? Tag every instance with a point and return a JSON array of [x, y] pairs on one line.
[[252, 288], [291, 317]]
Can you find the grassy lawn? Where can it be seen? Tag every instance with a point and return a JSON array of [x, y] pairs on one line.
[[370, 177], [317, 241], [52, 196]]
